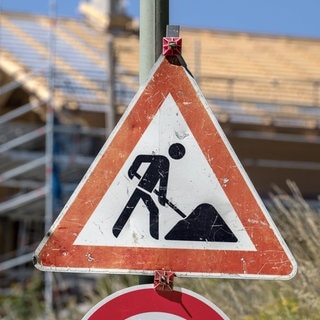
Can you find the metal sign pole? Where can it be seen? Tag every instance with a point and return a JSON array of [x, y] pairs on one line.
[[154, 18]]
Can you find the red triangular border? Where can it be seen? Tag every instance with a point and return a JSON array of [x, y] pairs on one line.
[[272, 258]]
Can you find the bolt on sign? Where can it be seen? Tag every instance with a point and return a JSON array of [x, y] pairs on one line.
[[167, 192]]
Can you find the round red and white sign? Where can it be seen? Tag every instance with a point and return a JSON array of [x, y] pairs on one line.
[[143, 302]]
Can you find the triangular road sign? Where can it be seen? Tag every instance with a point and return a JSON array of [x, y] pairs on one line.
[[167, 192]]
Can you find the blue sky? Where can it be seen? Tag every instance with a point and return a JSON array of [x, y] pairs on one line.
[[285, 17]]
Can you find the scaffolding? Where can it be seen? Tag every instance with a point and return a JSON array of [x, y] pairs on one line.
[[45, 147]]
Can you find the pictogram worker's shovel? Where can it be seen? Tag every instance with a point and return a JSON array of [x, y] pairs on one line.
[[204, 223]]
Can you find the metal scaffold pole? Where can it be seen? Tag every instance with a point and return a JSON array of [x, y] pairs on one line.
[[111, 67], [48, 276], [154, 18]]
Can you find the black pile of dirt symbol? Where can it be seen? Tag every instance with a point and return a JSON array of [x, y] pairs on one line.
[[203, 224]]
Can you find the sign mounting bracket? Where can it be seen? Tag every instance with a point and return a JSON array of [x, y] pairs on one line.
[[163, 280], [172, 43]]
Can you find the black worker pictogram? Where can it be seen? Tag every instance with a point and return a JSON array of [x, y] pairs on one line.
[[204, 223], [156, 173]]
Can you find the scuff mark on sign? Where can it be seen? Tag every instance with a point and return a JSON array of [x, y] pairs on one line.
[[244, 265], [89, 257], [225, 182], [99, 228], [181, 135], [255, 221]]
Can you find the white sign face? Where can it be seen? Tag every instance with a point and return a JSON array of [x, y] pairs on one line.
[[191, 182]]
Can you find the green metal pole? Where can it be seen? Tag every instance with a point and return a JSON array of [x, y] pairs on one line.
[[154, 18]]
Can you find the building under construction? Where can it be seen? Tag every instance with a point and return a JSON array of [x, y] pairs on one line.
[[64, 83]]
